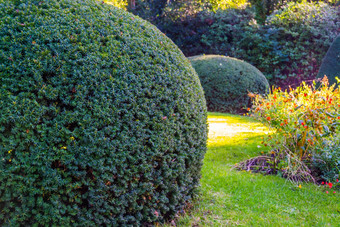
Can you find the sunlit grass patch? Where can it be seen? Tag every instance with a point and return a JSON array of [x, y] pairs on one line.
[[230, 197]]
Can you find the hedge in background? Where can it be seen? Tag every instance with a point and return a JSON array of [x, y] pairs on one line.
[[264, 8], [304, 32], [227, 81], [287, 49], [208, 32], [102, 118], [290, 46], [331, 63]]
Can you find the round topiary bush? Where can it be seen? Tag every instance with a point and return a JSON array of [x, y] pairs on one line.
[[227, 81], [102, 118]]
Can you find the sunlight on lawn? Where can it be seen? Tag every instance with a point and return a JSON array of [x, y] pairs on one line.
[[231, 129], [229, 197], [228, 128]]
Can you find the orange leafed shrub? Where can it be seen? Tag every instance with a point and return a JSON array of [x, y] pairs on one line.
[[304, 119]]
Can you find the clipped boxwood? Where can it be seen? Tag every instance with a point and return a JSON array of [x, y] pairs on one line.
[[102, 118], [331, 63], [227, 82]]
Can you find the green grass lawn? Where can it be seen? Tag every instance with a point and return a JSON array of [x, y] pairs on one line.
[[231, 197]]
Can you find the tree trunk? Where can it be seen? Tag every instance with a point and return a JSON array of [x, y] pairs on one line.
[[132, 4]]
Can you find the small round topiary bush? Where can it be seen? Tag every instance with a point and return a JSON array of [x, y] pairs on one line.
[[227, 81], [330, 66], [102, 118]]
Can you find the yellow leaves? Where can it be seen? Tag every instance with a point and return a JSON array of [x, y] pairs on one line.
[[9, 151], [72, 138], [64, 148]]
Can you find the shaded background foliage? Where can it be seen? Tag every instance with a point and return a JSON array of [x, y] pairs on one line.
[[285, 39]]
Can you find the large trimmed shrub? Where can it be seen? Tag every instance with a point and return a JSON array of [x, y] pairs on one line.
[[102, 118], [228, 81], [331, 63]]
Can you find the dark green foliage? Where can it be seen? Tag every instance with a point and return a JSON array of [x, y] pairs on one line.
[[302, 34], [227, 81], [264, 8], [287, 49], [326, 162], [208, 32], [156, 11], [331, 63], [150, 10], [290, 47], [102, 118]]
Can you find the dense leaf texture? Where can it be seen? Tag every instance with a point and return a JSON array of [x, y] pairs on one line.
[[227, 81], [102, 119], [287, 49]]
